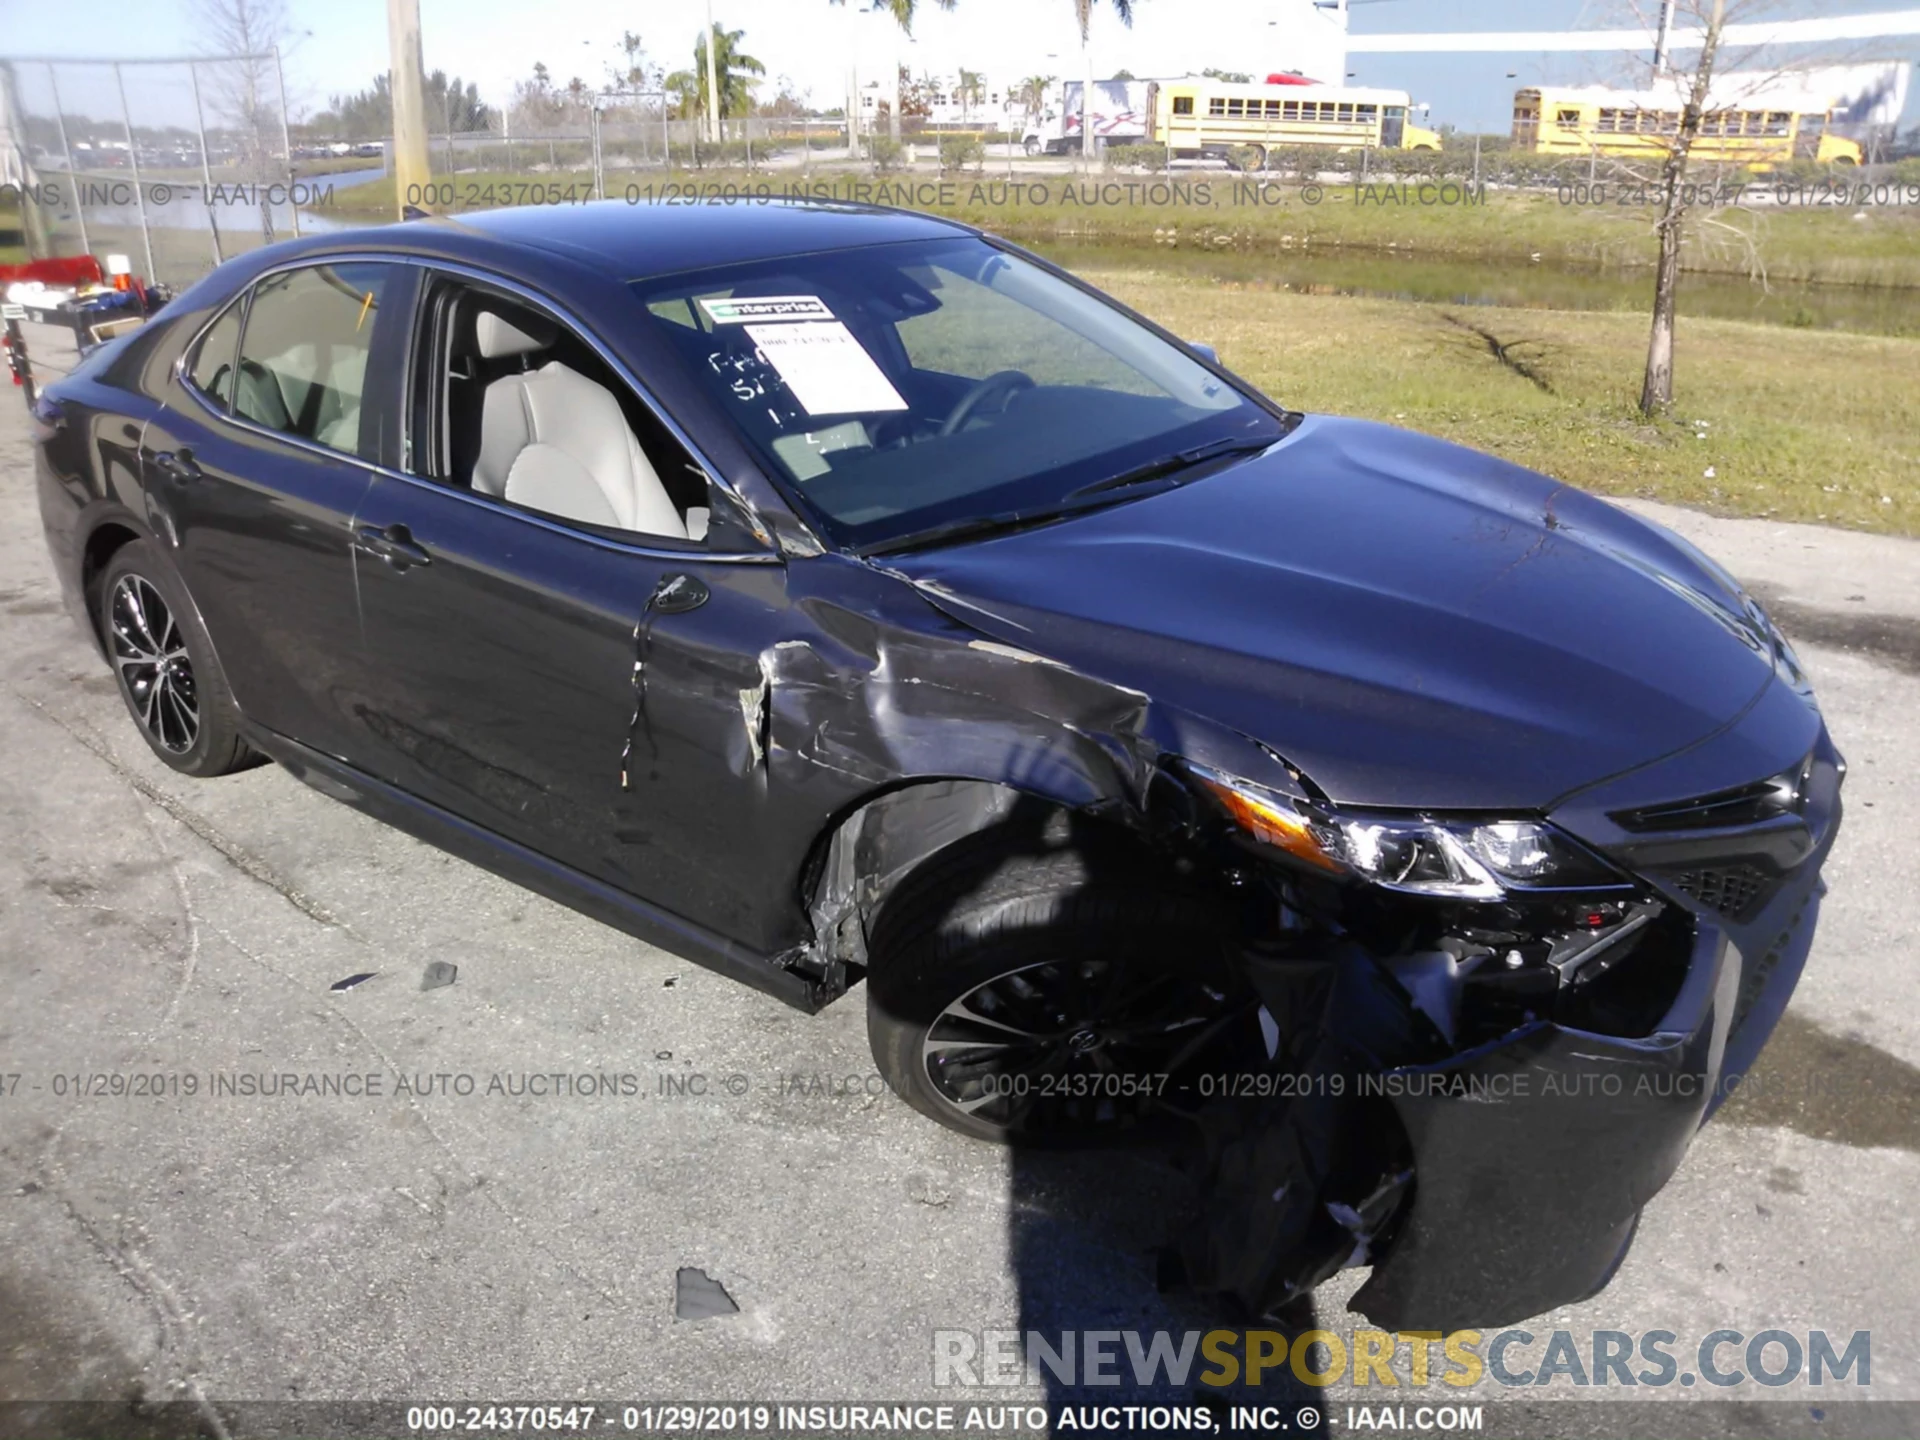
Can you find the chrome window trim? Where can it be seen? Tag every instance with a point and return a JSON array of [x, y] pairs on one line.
[[692, 551], [191, 350]]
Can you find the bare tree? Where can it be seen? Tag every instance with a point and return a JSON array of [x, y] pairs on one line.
[[1656, 389], [1710, 98], [245, 84], [635, 74]]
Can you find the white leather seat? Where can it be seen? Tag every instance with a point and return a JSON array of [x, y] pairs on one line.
[[555, 441]]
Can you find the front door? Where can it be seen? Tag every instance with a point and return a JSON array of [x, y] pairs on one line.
[[580, 696], [553, 651]]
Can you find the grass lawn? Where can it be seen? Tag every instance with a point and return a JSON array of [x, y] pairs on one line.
[[1798, 424]]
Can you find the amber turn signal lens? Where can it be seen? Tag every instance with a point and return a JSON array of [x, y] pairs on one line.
[[1271, 824]]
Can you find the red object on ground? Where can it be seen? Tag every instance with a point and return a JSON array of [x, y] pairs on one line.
[[73, 270], [1290, 80]]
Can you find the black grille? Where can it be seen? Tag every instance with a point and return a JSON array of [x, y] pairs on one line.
[[1781, 794], [1735, 891]]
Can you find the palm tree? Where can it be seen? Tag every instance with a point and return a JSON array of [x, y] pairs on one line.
[[731, 67], [1031, 94], [1083, 12], [970, 91], [904, 10]]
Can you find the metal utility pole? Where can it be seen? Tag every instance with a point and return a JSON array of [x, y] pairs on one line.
[[286, 142], [893, 115], [853, 112], [73, 175], [133, 159], [206, 163], [1086, 102], [713, 81], [410, 169], [1665, 37]]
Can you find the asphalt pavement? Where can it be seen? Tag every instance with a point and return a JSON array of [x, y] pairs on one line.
[[493, 1233]]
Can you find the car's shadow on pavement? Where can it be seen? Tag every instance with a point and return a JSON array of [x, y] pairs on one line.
[[1087, 1231]]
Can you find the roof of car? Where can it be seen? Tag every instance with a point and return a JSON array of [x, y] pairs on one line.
[[635, 241]]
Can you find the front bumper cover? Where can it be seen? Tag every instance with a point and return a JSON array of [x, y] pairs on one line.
[[1534, 1156], [1523, 1163]]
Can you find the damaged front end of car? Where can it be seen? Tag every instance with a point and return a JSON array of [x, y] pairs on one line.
[[1471, 1044], [1488, 1039]]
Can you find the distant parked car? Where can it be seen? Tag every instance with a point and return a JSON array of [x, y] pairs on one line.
[[830, 594]]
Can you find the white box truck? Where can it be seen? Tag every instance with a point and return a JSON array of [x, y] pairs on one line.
[[1121, 114]]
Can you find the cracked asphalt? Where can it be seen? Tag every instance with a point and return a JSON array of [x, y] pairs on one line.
[[443, 1243]]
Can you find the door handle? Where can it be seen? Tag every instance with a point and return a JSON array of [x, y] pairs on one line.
[[394, 544], [178, 465]]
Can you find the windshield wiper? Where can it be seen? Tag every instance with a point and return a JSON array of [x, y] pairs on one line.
[[1170, 465], [1074, 502]]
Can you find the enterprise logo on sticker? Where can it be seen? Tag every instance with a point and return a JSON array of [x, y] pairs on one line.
[[749, 308]]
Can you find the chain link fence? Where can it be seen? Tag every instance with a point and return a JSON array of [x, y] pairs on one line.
[[176, 163], [609, 141]]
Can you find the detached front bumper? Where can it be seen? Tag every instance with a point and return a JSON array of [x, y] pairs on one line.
[[1534, 1155], [1506, 1179]]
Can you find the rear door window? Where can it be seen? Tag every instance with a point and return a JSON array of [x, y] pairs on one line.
[[212, 370], [303, 358]]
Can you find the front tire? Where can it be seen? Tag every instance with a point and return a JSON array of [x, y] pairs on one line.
[[1049, 999], [169, 677]]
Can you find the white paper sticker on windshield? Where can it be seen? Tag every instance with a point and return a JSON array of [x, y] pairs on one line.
[[745, 308], [828, 371]]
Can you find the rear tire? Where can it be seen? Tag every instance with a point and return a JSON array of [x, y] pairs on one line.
[[1045, 999], [169, 676]]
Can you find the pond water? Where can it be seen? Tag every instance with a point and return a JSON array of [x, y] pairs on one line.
[[1540, 286]]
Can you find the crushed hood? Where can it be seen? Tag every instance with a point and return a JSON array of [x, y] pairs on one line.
[[1410, 622]]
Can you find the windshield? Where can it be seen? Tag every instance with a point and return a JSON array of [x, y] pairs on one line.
[[903, 387]]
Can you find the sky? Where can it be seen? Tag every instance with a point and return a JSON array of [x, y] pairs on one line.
[[340, 44]]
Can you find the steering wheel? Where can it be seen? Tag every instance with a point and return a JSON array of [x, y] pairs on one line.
[[1009, 381]]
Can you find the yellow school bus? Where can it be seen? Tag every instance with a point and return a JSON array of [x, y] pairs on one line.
[[1198, 116], [1758, 130]]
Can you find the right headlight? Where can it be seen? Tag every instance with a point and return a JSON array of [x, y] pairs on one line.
[[1462, 859]]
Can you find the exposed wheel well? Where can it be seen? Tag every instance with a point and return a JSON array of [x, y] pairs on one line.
[[910, 838]]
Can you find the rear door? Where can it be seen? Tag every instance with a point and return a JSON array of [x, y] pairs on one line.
[[254, 469]]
